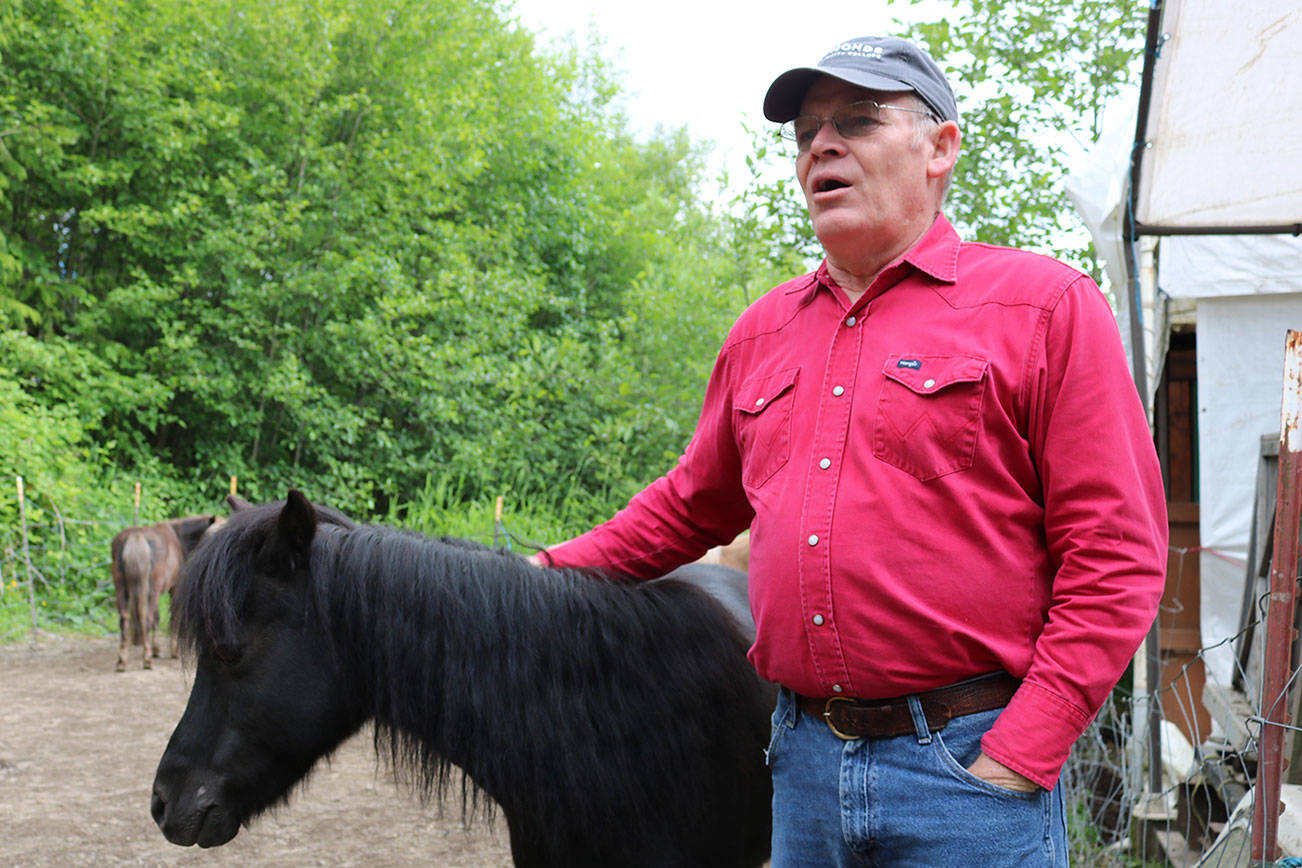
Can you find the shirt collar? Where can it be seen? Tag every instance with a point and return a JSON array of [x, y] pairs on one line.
[[935, 254]]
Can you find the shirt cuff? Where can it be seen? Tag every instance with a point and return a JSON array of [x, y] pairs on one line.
[[1034, 734]]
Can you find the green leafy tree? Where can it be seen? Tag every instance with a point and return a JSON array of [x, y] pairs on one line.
[[1032, 81], [351, 247]]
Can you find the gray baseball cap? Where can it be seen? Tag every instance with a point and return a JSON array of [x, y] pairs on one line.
[[884, 63]]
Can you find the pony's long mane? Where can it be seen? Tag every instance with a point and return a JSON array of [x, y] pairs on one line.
[[472, 658]]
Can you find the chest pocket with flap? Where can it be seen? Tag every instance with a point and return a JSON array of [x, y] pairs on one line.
[[929, 413], [763, 406]]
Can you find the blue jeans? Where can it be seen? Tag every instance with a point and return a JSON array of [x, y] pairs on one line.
[[904, 801]]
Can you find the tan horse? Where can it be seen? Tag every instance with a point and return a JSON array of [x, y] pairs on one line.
[[145, 564]]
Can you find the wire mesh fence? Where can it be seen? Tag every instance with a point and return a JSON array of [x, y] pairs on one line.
[[1138, 801], [1182, 791], [55, 575], [1177, 791], [55, 569]]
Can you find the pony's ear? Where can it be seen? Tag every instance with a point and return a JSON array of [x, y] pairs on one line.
[[237, 503], [297, 521]]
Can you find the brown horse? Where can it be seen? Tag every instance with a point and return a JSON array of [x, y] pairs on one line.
[[145, 563]]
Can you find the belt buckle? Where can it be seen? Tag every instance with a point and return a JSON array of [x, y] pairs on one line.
[[827, 718]]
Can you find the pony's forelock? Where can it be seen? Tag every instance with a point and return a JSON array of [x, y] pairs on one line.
[[215, 581]]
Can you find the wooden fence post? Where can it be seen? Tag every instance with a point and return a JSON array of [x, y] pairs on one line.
[[499, 530], [63, 545], [136, 500], [27, 556]]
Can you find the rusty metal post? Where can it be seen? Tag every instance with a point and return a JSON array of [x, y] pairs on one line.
[[1281, 609]]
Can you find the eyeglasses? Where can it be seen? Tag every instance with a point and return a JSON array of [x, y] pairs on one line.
[[853, 121]]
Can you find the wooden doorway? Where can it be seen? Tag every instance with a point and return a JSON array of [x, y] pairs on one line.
[[1183, 675]]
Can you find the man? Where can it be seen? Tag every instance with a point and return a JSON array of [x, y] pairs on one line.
[[958, 530]]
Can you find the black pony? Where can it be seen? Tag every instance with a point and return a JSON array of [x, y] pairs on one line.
[[614, 723]]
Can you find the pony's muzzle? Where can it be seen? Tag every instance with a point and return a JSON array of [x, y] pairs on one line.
[[192, 819]]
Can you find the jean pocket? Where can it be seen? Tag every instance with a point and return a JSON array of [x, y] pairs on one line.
[[763, 405], [929, 413], [959, 744]]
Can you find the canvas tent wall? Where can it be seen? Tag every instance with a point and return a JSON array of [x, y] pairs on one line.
[[1221, 146], [1248, 292]]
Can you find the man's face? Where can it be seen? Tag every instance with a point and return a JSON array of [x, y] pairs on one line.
[[869, 193]]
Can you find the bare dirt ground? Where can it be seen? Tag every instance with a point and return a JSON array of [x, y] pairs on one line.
[[79, 744]]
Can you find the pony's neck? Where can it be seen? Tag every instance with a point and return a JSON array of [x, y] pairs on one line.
[[438, 632], [455, 654]]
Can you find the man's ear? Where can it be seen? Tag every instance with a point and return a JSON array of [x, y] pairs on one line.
[[945, 142]]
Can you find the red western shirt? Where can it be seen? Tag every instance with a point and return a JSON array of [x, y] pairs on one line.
[[950, 476]]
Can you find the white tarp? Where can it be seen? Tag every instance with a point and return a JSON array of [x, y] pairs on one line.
[[1218, 265], [1224, 143], [1097, 187], [1240, 384]]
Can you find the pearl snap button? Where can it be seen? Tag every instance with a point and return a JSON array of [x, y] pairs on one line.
[[818, 620], [813, 539], [927, 384], [850, 320], [838, 391], [825, 463]]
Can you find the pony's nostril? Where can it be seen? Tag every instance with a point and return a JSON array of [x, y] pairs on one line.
[[157, 808]]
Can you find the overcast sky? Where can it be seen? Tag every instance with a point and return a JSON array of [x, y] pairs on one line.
[[706, 64]]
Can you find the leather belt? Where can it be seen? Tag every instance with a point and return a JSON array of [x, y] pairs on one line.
[[886, 718]]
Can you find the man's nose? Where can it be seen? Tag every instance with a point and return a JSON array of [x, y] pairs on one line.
[[827, 138]]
